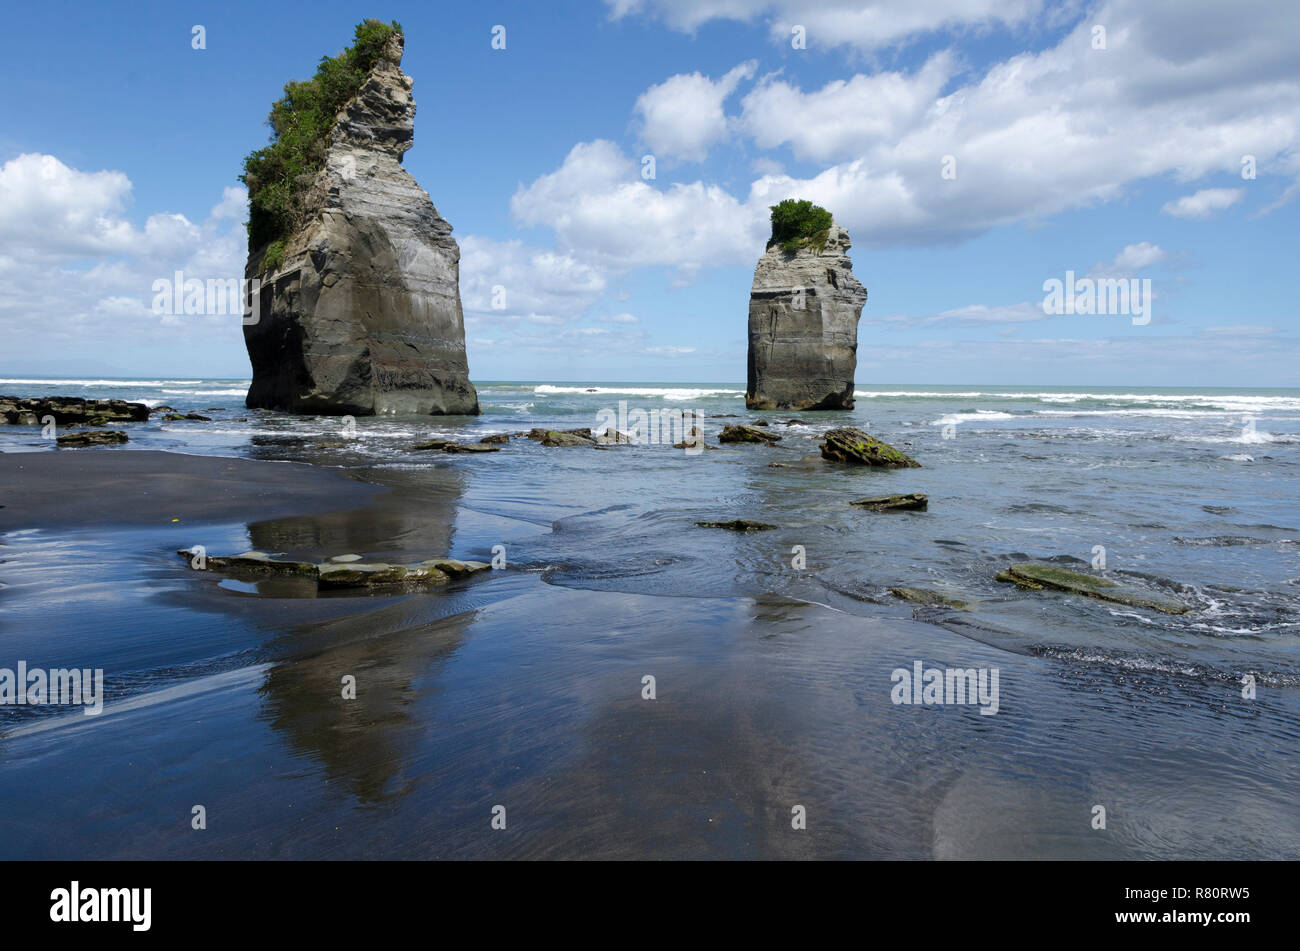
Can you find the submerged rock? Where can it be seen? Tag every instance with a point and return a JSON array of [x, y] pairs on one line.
[[448, 445], [1092, 586], [97, 437], [496, 439], [893, 503], [856, 447], [803, 327], [739, 525], [363, 316], [925, 596], [747, 434]]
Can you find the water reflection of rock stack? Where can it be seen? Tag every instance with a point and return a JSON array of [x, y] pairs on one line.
[[394, 649]]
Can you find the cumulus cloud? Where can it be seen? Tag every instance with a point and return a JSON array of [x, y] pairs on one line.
[[503, 281], [602, 211], [1203, 203], [682, 116], [77, 273], [1062, 128]]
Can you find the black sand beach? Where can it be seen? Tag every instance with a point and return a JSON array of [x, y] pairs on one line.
[[508, 691]]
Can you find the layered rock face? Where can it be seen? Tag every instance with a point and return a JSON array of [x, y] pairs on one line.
[[364, 316], [803, 328]]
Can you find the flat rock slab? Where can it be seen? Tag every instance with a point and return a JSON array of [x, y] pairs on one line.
[[893, 503], [342, 571], [855, 447], [1092, 586]]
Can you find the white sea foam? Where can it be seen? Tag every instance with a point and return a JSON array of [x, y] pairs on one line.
[[239, 392], [661, 392], [969, 416]]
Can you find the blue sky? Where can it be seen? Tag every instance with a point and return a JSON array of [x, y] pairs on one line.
[[120, 147]]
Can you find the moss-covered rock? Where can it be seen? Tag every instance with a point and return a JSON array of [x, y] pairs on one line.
[[96, 437], [858, 448], [1007, 577], [1092, 586], [747, 434]]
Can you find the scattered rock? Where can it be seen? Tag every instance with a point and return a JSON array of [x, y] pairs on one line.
[[448, 445], [177, 417], [96, 437], [893, 503], [496, 439], [761, 422], [613, 437], [747, 434], [569, 437], [332, 444], [856, 447], [739, 525], [1092, 586]]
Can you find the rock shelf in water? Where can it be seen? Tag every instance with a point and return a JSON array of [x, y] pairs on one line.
[[342, 571], [1036, 577]]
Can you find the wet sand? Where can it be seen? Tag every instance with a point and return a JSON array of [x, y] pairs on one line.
[[509, 691], [81, 487]]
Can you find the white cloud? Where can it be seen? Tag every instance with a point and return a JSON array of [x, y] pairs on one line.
[[620, 319], [867, 24], [844, 117], [76, 274], [1203, 203], [539, 285], [1135, 257], [1062, 128], [682, 116], [603, 212], [48, 209]]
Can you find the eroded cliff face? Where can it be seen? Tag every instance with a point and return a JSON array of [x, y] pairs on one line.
[[803, 328], [364, 316]]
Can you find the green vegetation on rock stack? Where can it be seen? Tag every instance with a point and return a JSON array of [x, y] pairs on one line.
[[799, 224], [279, 175]]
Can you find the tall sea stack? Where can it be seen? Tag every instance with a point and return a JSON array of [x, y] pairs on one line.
[[360, 308], [803, 324]]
